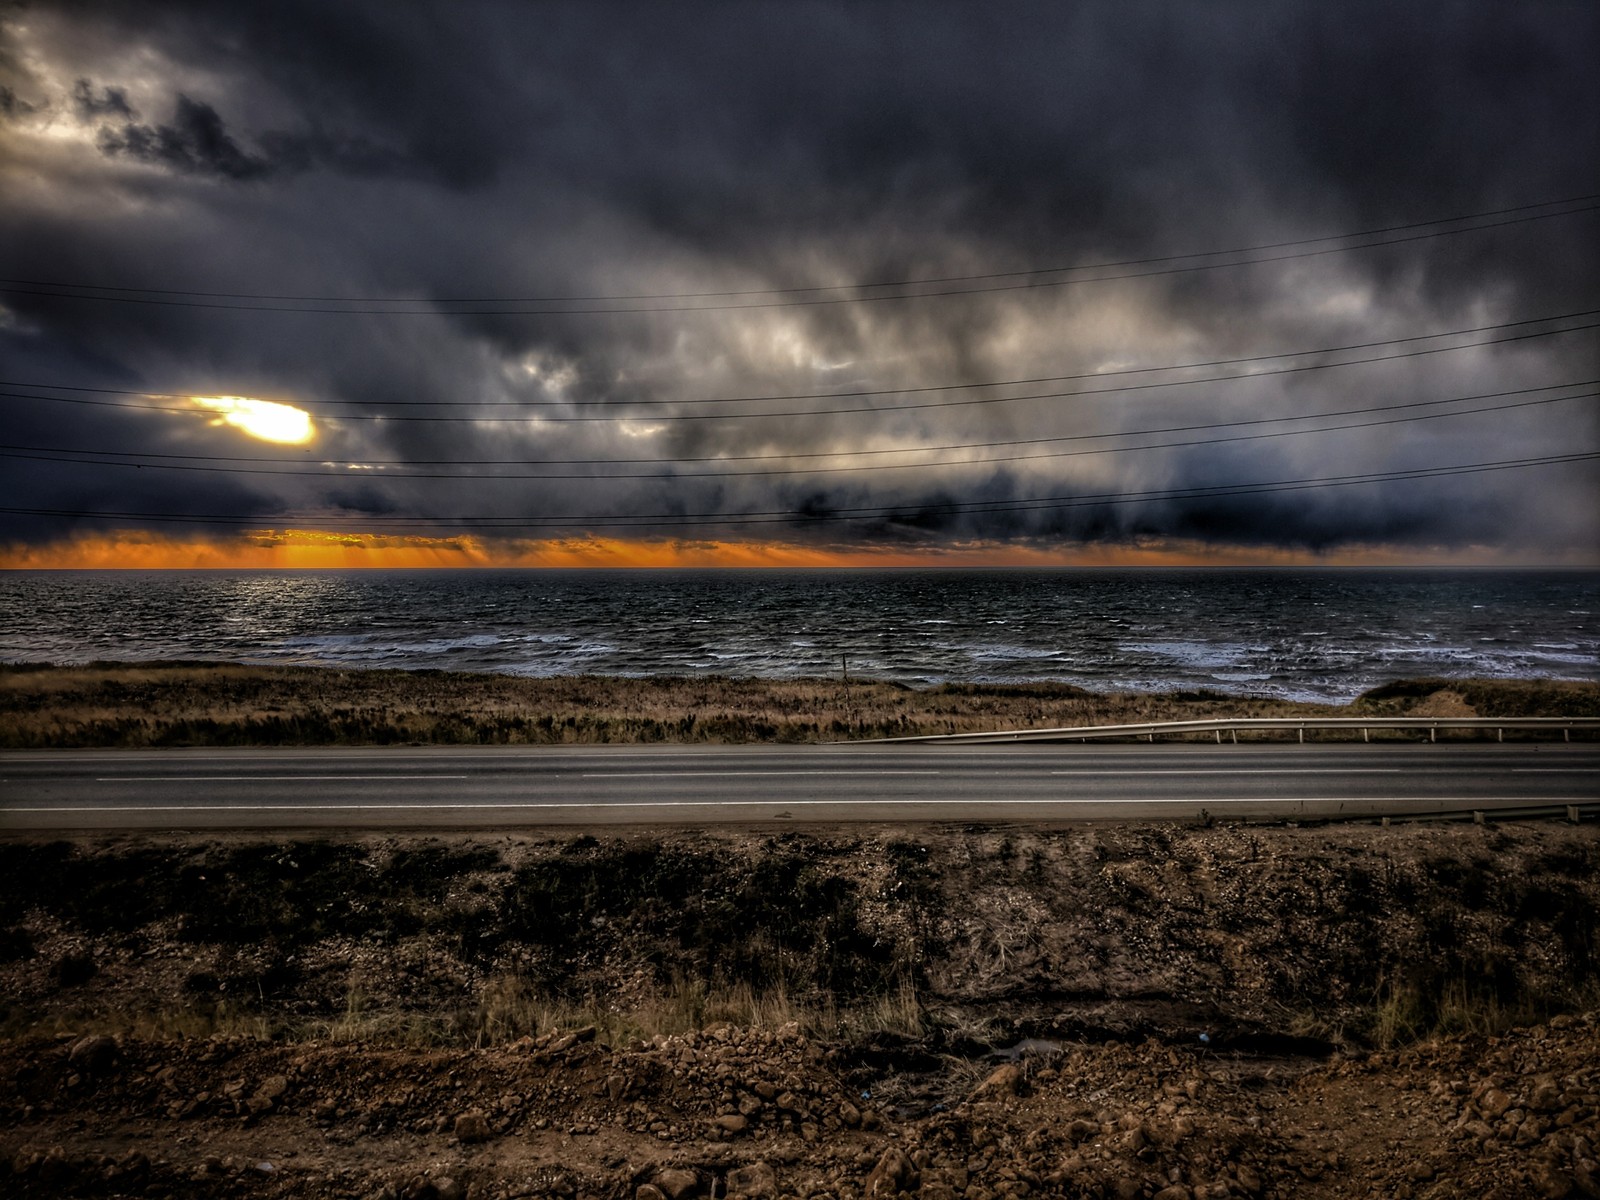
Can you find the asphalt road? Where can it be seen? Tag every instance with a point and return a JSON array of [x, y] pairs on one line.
[[503, 787]]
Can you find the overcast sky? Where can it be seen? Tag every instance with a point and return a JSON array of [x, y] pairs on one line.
[[455, 200]]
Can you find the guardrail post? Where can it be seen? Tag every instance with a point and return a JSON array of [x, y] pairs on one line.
[[1572, 813], [1477, 816], [1276, 725]]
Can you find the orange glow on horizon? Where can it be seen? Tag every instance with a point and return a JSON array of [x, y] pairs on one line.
[[314, 549]]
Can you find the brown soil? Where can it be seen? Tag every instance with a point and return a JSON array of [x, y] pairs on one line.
[[768, 1113], [1113, 1011]]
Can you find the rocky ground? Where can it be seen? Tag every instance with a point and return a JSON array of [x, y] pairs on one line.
[[771, 1113], [1105, 1011]]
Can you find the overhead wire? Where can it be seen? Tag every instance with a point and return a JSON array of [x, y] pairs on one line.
[[956, 403], [877, 451], [862, 284], [904, 512], [161, 297], [111, 458], [918, 389]]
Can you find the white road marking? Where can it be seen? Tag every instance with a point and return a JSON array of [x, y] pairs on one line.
[[412, 754], [258, 778], [1464, 801], [1114, 772], [731, 774], [952, 772]]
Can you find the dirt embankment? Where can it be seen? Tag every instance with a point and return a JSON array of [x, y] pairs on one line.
[[1244, 932], [772, 1113], [225, 705], [1128, 1012]]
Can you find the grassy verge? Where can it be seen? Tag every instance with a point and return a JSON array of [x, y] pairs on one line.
[[133, 705]]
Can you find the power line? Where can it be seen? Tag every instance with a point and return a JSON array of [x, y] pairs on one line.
[[882, 283], [902, 512], [899, 391], [152, 296], [881, 451], [52, 454], [983, 400]]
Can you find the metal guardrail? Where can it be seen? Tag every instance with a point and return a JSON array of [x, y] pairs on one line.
[[1234, 725]]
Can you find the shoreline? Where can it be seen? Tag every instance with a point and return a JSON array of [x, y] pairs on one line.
[[228, 704]]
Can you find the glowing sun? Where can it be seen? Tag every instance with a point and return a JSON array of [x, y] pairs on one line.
[[264, 419]]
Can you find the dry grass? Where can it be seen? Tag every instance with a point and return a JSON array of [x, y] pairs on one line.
[[224, 705], [509, 1008], [1359, 935], [1402, 1014], [168, 1024]]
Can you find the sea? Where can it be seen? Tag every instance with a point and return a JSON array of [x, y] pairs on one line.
[[1301, 633]]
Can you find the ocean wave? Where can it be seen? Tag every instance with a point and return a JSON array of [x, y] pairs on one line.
[[1198, 654], [994, 653], [1272, 633]]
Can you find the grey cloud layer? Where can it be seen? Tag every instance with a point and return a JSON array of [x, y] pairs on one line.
[[583, 150]]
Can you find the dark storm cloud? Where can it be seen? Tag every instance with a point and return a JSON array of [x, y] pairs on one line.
[[480, 151], [353, 155], [109, 102], [195, 143], [12, 106]]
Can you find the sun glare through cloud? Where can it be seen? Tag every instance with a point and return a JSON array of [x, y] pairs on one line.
[[265, 419]]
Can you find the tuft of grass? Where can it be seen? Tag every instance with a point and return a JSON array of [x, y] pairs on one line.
[[1402, 1014], [1399, 1018]]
